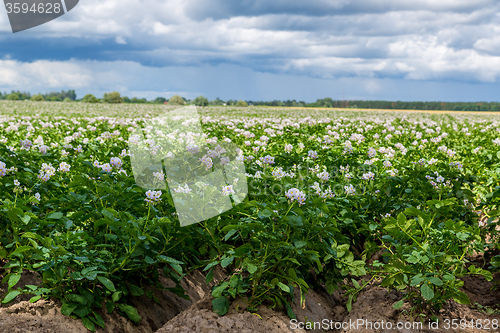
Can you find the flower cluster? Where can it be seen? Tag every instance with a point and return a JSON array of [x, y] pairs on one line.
[[278, 173], [43, 149], [348, 147], [437, 181], [227, 190], [349, 189], [26, 144], [207, 162], [393, 172], [159, 176], [368, 176], [153, 197], [46, 172], [371, 152], [192, 148], [323, 194], [324, 176], [268, 159], [458, 165], [294, 194], [3, 169], [64, 167], [116, 162], [106, 167], [181, 189], [312, 154]]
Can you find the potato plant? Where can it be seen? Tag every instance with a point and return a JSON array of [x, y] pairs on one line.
[[326, 191]]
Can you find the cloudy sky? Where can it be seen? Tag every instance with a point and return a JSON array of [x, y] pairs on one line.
[[423, 50]]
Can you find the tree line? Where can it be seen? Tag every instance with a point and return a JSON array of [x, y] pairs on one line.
[[16, 95], [402, 105], [115, 97]]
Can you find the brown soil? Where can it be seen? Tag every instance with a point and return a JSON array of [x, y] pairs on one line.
[[173, 314]]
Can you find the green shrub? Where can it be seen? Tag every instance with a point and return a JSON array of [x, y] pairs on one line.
[[37, 98], [200, 101], [89, 98], [112, 97], [176, 100]]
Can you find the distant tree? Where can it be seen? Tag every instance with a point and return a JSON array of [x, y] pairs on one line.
[[200, 101], [138, 100], [37, 98], [159, 100], [112, 97], [13, 97], [67, 100], [71, 94], [327, 103], [125, 99], [176, 100], [59, 96], [20, 95], [241, 103], [89, 98], [217, 101]]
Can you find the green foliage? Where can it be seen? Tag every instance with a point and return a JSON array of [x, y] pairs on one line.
[[425, 256], [89, 98], [160, 100], [138, 100], [17, 95], [12, 97], [287, 103], [112, 97], [200, 101], [241, 103], [176, 100], [217, 101], [60, 96], [325, 102], [37, 98]]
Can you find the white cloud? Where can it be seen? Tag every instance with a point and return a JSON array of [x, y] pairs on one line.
[[120, 40], [43, 74]]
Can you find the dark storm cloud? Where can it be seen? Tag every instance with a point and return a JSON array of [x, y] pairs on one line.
[[222, 9]]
